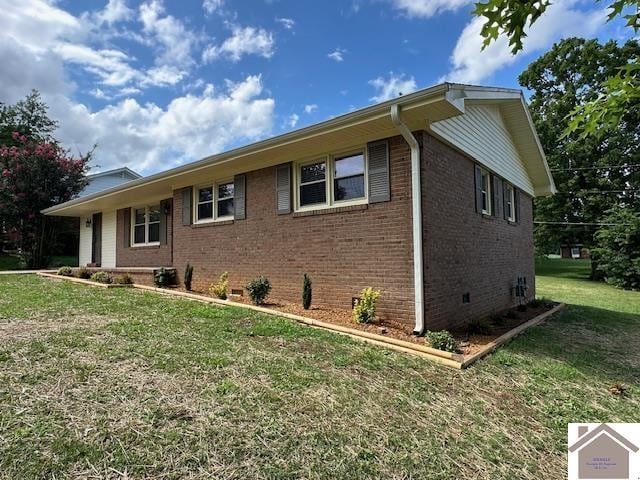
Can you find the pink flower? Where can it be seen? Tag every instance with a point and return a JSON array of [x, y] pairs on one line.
[[6, 173]]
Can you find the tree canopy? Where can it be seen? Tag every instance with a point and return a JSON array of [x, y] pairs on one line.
[[35, 173], [592, 173], [620, 90]]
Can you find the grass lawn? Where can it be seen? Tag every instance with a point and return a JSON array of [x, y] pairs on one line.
[[98, 383], [12, 262]]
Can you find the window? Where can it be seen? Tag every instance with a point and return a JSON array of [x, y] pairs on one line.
[[575, 252], [220, 195], [510, 199], [225, 200], [348, 177], [333, 180], [486, 193], [313, 184], [146, 225]]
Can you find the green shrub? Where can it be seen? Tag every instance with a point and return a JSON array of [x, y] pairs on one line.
[[442, 340], [617, 252], [306, 292], [538, 302], [479, 326], [83, 273], [258, 289], [511, 314], [220, 289], [188, 276], [364, 310], [65, 271], [101, 277], [124, 279]]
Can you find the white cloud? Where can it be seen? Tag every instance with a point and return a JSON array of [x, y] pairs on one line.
[[211, 6], [392, 87], [337, 54], [243, 41], [287, 23], [471, 64], [114, 11], [149, 138], [310, 108], [428, 8], [164, 75], [175, 41], [293, 120]]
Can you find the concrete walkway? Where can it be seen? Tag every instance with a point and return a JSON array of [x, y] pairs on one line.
[[18, 272]]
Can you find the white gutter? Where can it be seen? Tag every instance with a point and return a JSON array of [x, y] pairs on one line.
[[416, 199]]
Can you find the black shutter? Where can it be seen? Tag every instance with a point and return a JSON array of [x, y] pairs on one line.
[[495, 195], [239, 197], [283, 189], [378, 174], [505, 200], [163, 222], [516, 195], [478, 178], [126, 239], [187, 200]]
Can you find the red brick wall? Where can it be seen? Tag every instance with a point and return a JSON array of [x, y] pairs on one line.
[[465, 251], [156, 256], [343, 252]]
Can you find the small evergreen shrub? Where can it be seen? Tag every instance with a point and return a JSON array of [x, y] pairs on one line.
[[124, 279], [479, 326], [164, 277], [364, 310], [83, 273], [65, 271], [220, 289], [511, 314], [188, 276], [258, 289], [442, 340], [306, 292], [101, 277]]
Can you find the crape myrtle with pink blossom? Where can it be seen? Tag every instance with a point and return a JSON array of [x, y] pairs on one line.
[[35, 173]]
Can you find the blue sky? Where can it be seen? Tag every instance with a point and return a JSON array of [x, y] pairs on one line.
[[158, 83]]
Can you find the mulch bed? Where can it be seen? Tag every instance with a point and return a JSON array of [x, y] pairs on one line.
[[469, 343]]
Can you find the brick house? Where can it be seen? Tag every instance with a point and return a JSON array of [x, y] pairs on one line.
[[427, 197]]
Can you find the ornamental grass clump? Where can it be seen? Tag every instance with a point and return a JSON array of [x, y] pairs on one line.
[[258, 289], [124, 279], [101, 277], [83, 273], [364, 310], [220, 289], [65, 271]]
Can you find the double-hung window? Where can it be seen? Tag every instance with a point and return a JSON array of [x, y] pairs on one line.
[[510, 202], [486, 192], [331, 180], [146, 225], [214, 202]]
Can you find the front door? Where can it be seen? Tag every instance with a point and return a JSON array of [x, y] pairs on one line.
[[96, 242]]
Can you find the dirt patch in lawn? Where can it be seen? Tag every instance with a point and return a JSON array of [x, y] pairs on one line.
[[18, 329], [471, 341]]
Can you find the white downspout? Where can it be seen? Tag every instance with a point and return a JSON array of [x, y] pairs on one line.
[[416, 198]]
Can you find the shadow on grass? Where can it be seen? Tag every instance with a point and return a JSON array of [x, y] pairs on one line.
[[594, 341]]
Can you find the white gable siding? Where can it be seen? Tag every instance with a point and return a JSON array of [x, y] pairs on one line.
[[86, 236], [481, 133], [109, 239]]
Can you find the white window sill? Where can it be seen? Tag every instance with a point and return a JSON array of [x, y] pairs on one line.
[[324, 206], [212, 220], [151, 244]]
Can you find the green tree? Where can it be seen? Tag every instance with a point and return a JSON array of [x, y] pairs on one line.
[[593, 174], [35, 173], [618, 248], [619, 92]]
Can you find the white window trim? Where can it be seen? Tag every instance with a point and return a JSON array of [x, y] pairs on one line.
[[146, 243], [511, 216], [329, 160], [214, 205], [488, 193]]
